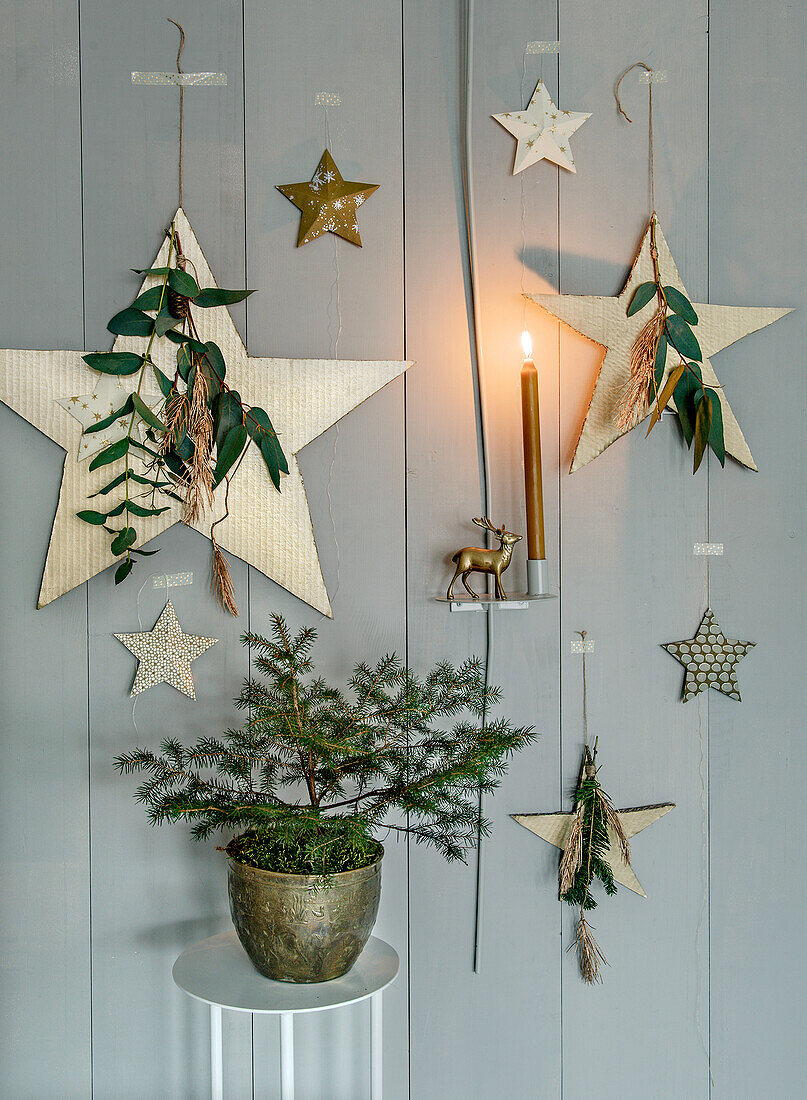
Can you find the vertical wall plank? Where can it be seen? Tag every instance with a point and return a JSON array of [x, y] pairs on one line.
[[461, 1044], [44, 865], [757, 257], [354, 475], [629, 576], [153, 891]]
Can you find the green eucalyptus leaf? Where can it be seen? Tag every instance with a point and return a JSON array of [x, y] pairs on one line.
[[117, 510], [716, 439], [123, 540], [215, 361], [139, 510], [165, 383], [661, 360], [98, 519], [686, 395], [114, 362], [641, 296], [165, 321], [227, 414], [182, 282], [260, 428], [113, 484], [99, 426], [131, 322], [151, 270], [175, 464], [682, 338], [146, 413], [703, 424], [215, 296], [150, 299], [142, 447], [680, 304], [229, 452], [111, 453], [123, 570], [183, 338], [184, 361], [144, 553]]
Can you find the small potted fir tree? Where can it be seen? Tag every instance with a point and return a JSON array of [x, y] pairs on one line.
[[305, 869]]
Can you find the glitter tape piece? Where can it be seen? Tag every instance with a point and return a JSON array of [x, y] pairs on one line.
[[543, 47], [655, 76], [708, 549], [173, 580], [580, 646], [327, 99], [186, 79]]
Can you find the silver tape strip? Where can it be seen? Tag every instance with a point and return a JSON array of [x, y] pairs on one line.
[[655, 76], [186, 79], [327, 99], [580, 646], [708, 549], [543, 47], [172, 580]]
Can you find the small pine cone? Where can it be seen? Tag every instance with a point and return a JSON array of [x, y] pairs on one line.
[[178, 305]]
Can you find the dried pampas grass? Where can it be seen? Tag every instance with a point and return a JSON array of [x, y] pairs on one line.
[[637, 396], [589, 955]]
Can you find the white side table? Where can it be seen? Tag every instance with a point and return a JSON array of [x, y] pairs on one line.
[[218, 972]]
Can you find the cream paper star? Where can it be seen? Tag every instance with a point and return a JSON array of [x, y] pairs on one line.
[[109, 394], [542, 131], [605, 321], [555, 829], [267, 529], [165, 653], [710, 659]]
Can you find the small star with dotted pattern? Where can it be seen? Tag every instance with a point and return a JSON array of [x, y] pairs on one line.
[[710, 659], [545, 144], [317, 203], [165, 653]]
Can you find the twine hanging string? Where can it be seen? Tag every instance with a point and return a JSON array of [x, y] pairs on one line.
[[582, 634], [182, 102], [623, 112]]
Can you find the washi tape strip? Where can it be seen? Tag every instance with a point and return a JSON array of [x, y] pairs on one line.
[[172, 580], [543, 47], [186, 79], [327, 99], [708, 549], [580, 646], [655, 76]]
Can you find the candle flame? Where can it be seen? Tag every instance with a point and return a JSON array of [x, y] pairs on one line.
[[526, 343]]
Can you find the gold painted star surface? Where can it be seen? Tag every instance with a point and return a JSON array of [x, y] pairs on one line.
[[605, 321], [267, 529], [710, 659], [165, 653], [328, 204], [555, 829], [542, 132]]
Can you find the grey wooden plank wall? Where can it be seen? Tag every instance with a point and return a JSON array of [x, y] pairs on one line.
[[94, 905]]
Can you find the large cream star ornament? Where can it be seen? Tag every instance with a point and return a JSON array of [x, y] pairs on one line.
[[605, 321], [268, 529], [164, 654], [542, 132], [710, 659], [555, 829]]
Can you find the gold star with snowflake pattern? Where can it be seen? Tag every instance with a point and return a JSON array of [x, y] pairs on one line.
[[328, 204]]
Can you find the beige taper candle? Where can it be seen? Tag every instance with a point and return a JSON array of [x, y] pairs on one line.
[[533, 479]]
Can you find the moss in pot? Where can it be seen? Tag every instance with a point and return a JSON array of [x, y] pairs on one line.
[[311, 778]]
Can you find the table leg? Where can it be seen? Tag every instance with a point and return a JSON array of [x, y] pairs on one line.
[[376, 1062], [216, 1067], [286, 1056]]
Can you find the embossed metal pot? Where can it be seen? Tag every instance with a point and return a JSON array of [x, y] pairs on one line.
[[296, 930]]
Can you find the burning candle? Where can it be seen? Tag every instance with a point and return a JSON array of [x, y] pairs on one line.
[[533, 481]]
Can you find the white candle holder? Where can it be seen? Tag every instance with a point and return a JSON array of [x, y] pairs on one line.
[[537, 577]]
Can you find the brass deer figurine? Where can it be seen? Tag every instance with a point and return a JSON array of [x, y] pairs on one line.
[[475, 559]]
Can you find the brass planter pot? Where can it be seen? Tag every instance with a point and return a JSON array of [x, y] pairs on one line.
[[296, 930]]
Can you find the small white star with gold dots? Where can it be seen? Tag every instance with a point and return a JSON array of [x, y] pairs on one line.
[[539, 116]]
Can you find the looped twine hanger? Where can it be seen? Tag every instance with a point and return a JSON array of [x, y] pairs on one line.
[[181, 101], [623, 112]]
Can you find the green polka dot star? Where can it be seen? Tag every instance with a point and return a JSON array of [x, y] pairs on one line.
[[710, 659]]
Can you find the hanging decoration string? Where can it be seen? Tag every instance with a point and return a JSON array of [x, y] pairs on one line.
[[623, 112], [181, 103], [335, 301], [583, 634]]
